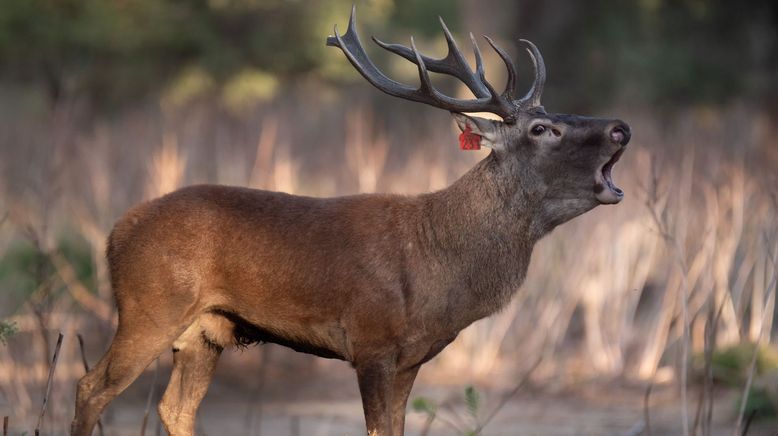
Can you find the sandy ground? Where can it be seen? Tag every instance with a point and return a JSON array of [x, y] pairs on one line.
[[224, 414], [300, 395], [321, 398]]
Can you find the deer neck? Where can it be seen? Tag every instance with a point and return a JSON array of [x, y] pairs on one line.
[[486, 226], [486, 204]]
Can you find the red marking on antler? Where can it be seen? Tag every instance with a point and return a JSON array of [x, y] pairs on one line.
[[469, 140]]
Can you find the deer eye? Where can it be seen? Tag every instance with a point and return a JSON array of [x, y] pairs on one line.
[[538, 130]]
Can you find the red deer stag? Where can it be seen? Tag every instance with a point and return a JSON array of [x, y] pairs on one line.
[[384, 282]]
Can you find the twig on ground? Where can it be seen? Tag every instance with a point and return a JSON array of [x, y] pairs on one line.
[[748, 422], [427, 425], [704, 414], [5, 426], [698, 411], [675, 244], [509, 395], [647, 404], [752, 367], [453, 417], [49, 383], [709, 371], [449, 422], [149, 399]]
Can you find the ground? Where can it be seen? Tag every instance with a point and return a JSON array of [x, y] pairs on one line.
[[306, 396]]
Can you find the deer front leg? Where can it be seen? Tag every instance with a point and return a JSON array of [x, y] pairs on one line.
[[376, 383], [403, 382]]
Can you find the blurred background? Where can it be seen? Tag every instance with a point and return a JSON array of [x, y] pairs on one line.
[[651, 317]]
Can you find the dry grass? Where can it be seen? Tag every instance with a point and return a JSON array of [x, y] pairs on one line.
[[624, 291]]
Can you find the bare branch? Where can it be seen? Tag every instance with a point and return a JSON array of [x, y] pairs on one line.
[[752, 366], [48, 384]]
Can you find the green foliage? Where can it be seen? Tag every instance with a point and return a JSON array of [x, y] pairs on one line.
[[421, 16], [24, 269], [762, 398], [20, 268], [7, 329], [731, 365], [248, 87], [667, 53], [424, 405], [656, 51], [79, 255], [762, 401], [472, 402], [115, 51]]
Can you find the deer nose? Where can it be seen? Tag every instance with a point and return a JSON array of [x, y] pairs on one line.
[[620, 134]]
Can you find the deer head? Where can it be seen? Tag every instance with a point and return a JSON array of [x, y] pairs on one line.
[[562, 161]]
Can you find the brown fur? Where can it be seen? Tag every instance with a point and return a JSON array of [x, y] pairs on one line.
[[382, 281]]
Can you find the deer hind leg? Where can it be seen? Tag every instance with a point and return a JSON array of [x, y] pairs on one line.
[[196, 352], [133, 348]]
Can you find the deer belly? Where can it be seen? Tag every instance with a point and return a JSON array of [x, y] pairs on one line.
[[320, 338]]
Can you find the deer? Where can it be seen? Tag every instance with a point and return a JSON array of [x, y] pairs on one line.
[[382, 281]]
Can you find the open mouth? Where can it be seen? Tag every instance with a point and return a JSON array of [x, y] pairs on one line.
[[605, 190]]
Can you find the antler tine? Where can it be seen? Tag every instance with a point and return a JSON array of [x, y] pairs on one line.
[[453, 50], [498, 99], [426, 93], [495, 104], [510, 84], [479, 63], [350, 45], [424, 76], [453, 64], [532, 99]]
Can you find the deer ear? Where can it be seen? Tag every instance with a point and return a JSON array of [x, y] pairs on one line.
[[487, 130]]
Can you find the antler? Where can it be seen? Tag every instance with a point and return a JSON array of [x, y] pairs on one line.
[[453, 64], [532, 99]]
